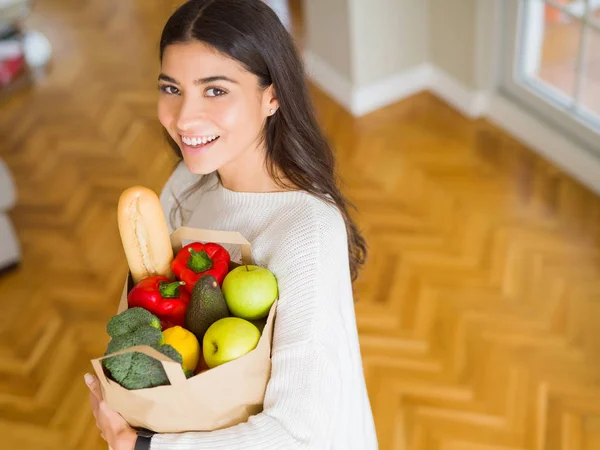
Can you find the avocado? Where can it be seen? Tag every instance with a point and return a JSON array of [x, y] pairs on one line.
[[206, 306]]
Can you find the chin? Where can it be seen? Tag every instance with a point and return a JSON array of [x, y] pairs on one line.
[[199, 167]]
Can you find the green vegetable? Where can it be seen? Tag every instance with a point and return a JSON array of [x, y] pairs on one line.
[[130, 320], [142, 371], [137, 326], [207, 305], [141, 336]]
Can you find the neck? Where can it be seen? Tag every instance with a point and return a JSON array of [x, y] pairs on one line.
[[248, 173]]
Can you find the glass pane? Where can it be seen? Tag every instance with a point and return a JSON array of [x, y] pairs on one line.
[[551, 43], [575, 7], [590, 90], [594, 13]]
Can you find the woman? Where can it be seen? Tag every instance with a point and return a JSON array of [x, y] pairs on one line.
[[235, 105]]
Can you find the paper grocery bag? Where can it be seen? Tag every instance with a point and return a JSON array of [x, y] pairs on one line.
[[218, 398]]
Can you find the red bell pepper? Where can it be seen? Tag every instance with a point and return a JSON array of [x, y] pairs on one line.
[[197, 259], [163, 298]]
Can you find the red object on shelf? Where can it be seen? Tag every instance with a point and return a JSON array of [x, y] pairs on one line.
[[12, 62]]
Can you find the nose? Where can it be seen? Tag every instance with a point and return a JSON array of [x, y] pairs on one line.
[[191, 115]]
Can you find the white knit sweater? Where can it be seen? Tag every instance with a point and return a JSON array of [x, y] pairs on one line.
[[316, 397]]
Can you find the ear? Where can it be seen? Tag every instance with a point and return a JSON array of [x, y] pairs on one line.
[[270, 101]]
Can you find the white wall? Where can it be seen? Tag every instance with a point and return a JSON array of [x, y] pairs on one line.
[[356, 49], [366, 41], [367, 54], [388, 36], [328, 35], [453, 37]]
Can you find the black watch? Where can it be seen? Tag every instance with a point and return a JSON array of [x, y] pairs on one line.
[[143, 439]]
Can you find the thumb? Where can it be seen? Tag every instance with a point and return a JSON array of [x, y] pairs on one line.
[[94, 385]]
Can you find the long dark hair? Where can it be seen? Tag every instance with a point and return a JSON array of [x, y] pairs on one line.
[[251, 33]]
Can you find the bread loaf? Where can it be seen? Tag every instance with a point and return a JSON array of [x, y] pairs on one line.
[[144, 234]]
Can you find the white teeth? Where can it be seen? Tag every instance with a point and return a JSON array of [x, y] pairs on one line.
[[198, 141]]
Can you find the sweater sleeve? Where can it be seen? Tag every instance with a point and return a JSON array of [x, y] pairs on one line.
[[300, 404], [303, 394]]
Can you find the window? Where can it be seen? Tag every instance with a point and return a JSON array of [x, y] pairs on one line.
[[552, 62]]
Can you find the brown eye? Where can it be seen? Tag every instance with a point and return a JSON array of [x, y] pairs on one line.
[[171, 90], [215, 92]]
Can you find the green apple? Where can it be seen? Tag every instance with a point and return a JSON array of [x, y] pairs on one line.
[[228, 339], [250, 291]]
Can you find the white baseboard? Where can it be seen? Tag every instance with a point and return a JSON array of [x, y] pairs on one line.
[[471, 103], [577, 161], [328, 79], [551, 144], [391, 89], [361, 101]]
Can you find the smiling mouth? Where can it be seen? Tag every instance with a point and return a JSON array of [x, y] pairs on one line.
[[197, 142]]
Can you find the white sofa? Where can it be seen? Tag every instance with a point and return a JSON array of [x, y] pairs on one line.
[[10, 251]]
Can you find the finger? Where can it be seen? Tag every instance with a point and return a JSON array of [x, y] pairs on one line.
[[95, 404], [94, 385]]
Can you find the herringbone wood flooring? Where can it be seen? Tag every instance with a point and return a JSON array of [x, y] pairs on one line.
[[479, 309]]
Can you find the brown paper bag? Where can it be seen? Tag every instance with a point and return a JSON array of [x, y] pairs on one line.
[[218, 398]]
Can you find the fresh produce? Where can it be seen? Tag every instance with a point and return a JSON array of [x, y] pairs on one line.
[[144, 234], [130, 320], [140, 336], [198, 259], [186, 344], [133, 327], [164, 298], [228, 339], [250, 291], [206, 306]]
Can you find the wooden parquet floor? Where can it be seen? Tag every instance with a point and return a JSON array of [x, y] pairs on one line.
[[479, 309]]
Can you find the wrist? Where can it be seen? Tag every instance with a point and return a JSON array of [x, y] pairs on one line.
[[126, 440]]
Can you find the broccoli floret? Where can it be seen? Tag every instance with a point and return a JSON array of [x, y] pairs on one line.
[[148, 372], [120, 365], [132, 327], [130, 320], [169, 350], [142, 336], [135, 370], [145, 372]]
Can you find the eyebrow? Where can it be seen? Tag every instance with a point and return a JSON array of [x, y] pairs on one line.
[[205, 80]]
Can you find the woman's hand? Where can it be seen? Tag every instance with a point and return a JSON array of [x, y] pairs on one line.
[[113, 428]]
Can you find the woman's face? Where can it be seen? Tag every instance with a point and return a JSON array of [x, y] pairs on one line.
[[211, 106]]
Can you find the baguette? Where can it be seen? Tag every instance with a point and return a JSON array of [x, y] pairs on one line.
[[144, 234]]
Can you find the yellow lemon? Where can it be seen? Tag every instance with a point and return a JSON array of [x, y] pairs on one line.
[[185, 343]]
